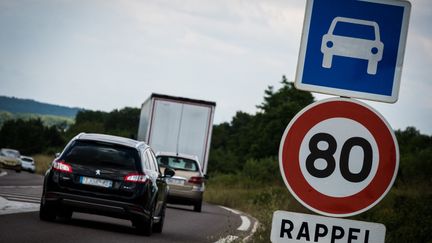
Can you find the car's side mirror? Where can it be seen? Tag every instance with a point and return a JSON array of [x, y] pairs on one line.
[[169, 172], [57, 155]]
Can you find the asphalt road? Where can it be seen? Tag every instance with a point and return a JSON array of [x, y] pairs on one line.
[[22, 192]]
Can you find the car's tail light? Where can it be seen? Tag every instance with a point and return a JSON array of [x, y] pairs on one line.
[[196, 180], [62, 166], [135, 177]]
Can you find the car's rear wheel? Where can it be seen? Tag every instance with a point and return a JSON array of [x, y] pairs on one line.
[[65, 214], [198, 206], [143, 225], [157, 228], [46, 213]]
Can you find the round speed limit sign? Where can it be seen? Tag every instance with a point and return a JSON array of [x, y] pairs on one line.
[[338, 157]]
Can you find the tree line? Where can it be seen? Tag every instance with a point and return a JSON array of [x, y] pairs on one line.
[[248, 139], [248, 143], [252, 141], [246, 148], [31, 136]]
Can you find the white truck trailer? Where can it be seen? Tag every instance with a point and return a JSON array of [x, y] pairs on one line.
[[179, 125]]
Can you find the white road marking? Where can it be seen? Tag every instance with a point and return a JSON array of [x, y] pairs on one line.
[[8, 207], [14, 187], [21, 196], [18, 199], [228, 239], [254, 229], [245, 220], [230, 209], [245, 223]]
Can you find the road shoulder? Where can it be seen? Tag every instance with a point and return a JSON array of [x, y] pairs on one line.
[[246, 229], [2, 173], [9, 207]]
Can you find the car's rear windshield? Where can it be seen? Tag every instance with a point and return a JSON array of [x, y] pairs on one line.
[[104, 155], [27, 159], [177, 163]]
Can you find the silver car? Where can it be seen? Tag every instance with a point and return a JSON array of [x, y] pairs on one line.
[[187, 186]]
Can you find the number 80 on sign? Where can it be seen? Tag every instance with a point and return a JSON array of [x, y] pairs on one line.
[[338, 157]]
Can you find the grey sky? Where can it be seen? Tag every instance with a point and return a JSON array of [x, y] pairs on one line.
[[104, 55]]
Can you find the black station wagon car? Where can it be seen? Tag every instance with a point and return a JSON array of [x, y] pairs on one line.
[[107, 175]]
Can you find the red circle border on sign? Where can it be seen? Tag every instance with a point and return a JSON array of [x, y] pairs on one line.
[[338, 206]]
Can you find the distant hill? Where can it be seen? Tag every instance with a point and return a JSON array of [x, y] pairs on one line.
[[17, 105]]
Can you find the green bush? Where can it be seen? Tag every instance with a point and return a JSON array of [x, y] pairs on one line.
[[262, 170]]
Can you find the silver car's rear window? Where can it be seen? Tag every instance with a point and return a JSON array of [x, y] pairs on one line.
[[177, 163]]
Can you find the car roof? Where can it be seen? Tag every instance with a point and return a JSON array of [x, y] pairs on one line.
[[111, 139], [172, 154]]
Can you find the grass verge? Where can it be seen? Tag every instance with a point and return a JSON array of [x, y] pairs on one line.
[[406, 211], [42, 162], [256, 199]]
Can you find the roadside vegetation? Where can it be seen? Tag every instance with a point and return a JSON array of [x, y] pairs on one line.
[[42, 162], [32, 136], [243, 164], [245, 171], [47, 120]]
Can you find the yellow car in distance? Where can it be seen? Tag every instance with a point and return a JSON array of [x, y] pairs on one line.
[[10, 159]]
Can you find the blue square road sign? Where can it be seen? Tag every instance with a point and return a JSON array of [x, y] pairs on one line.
[[353, 48]]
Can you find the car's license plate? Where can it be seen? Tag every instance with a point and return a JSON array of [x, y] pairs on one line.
[[173, 181], [95, 182]]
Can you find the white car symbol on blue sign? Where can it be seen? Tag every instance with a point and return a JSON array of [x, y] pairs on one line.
[[353, 48], [371, 50]]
